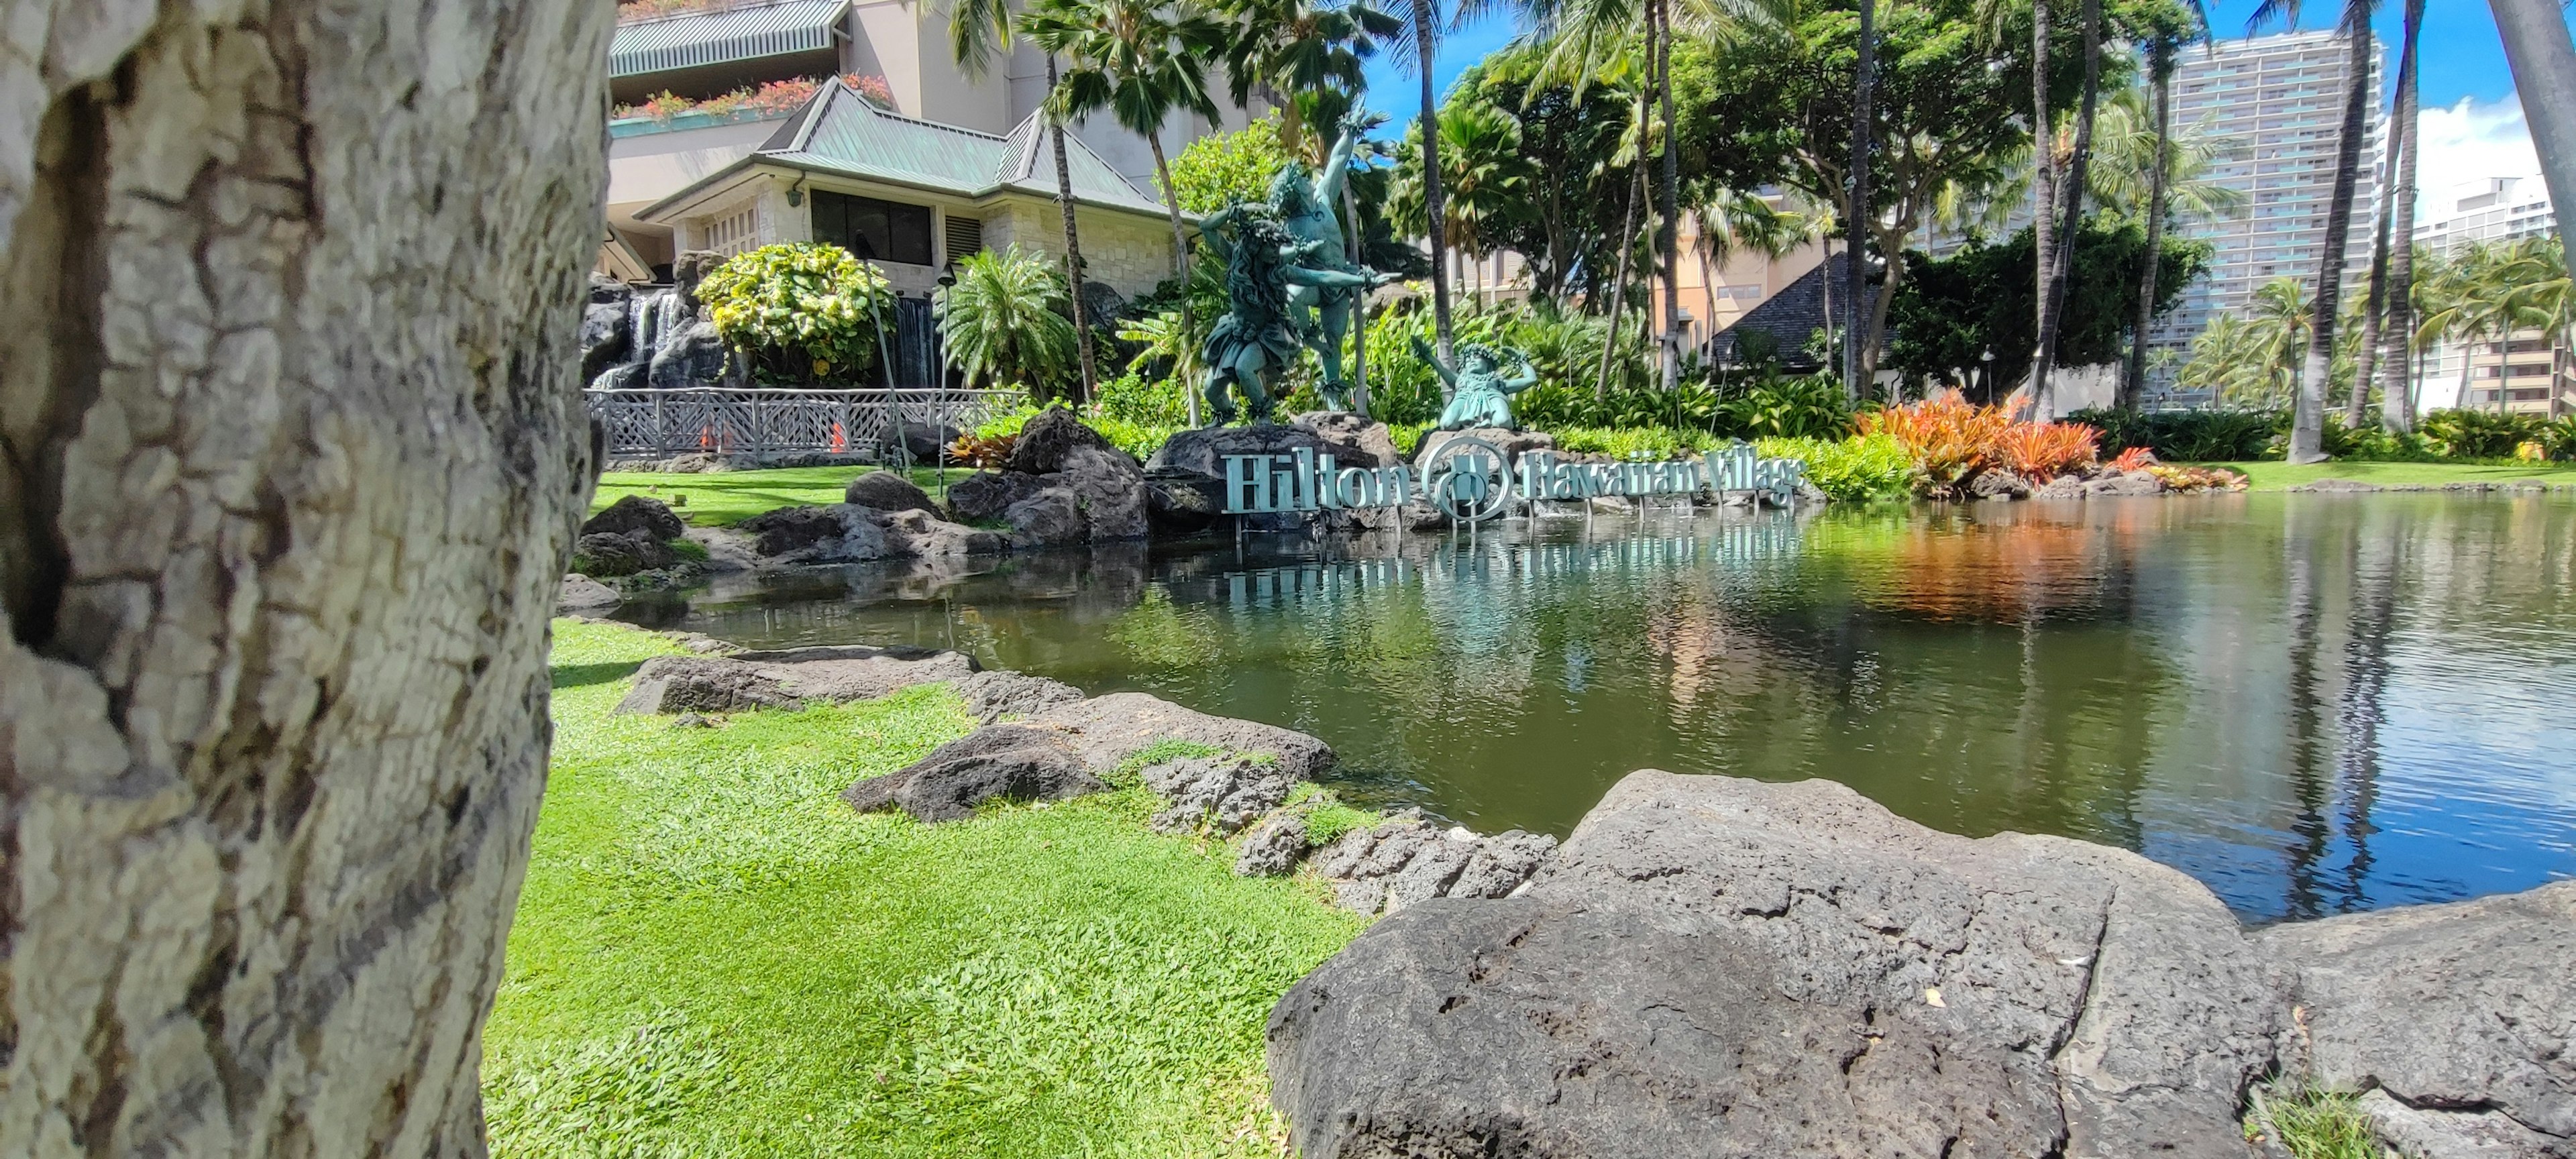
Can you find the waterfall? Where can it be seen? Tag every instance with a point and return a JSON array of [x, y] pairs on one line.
[[652, 319]]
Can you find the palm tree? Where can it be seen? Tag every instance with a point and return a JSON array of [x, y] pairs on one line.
[[1483, 180], [979, 30], [1422, 36], [1731, 223], [2308, 406], [1141, 60], [2162, 47], [2537, 48], [2061, 257], [2396, 399], [1864, 134], [1310, 58], [998, 323]]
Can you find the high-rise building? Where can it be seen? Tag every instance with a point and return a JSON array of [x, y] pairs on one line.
[[2277, 101], [2522, 371]]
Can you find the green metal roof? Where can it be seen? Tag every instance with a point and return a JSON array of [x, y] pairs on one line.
[[843, 132], [696, 39]]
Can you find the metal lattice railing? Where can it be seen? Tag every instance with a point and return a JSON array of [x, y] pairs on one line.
[[757, 423]]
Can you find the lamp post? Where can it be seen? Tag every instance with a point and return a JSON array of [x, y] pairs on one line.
[[1986, 375]]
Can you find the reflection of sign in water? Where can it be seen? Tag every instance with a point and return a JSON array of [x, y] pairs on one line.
[[1468, 480]]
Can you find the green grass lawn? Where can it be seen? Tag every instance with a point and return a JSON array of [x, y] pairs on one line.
[[2281, 476], [721, 498], [713, 956]]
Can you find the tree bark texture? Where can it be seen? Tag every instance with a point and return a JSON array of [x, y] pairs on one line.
[[1667, 200], [2308, 412], [2543, 60], [2061, 258], [2374, 303], [2133, 380], [1072, 248], [291, 457], [1864, 134], [1434, 204], [2043, 178], [2396, 398]]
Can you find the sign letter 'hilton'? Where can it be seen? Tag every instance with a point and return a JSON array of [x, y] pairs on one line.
[[1465, 479]]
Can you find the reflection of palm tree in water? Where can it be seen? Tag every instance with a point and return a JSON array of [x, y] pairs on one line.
[[2310, 832], [2364, 708], [2353, 744]]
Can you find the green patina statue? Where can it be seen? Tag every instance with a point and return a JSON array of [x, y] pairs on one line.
[[1309, 206], [1262, 330], [1481, 392]]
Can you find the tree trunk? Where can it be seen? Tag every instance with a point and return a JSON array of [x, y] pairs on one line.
[[1433, 204], [2043, 182], [1864, 133], [2133, 382], [1668, 201], [2374, 301], [1180, 253], [2308, 415], [291, 457], [2396, 392], [1072, 247], [1619, 285], [2062, 258], [1359, 306], [2537, 49]]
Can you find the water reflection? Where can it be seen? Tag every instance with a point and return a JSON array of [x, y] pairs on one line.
[[2315, 704]]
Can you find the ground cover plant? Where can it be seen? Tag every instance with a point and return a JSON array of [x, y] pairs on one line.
[[723, 498], [2275, 475], [713, 956]]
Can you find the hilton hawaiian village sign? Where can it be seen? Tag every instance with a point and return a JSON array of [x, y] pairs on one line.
[[1466, 479]]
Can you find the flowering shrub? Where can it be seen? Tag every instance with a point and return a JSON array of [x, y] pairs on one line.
[[805, 311], [774, 98]]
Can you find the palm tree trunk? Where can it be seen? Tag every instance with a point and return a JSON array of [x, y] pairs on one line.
[[1072, 243], [1433, 207], [2308, 413], [1359, 302], [1864, 132], [2396, 406], [2374, 303], [2062, 259], [2043, 181], [2537, 48], [1668, 199], [1619, 285], [2133, 382], [1180, 253]]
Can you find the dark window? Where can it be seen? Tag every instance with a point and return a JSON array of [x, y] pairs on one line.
[[886, 231]]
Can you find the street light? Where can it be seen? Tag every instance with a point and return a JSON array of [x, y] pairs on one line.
[[1986, 375]]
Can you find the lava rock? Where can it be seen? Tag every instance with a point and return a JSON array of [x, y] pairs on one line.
[[839, 533], [1364, 442], [1715, 966], [696, 356], [1050, 518], [1998, 483], [993, 695], [922, 535], [636, 513], [1182, 502], [1109, 729], [583, 594], [690, 268], [621, 553], [1223, 793], [2061, 487], [607, 338], [1002, 761], [2129, 483], [926, 444], [789, 678], [728, 550], [1502, 862], [1341, 858], [1109, 489], [2357, 487], [1272, 848], [984, 496], [1045, 442], [1428, 873], [2455, 1010], [886, 491]]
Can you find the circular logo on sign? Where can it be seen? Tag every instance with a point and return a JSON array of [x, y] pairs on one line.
[[1468, 480]]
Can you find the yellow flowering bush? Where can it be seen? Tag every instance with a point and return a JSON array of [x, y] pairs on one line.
[[805, 311]]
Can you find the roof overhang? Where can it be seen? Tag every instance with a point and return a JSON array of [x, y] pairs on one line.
[[714, 185], [723, 36]]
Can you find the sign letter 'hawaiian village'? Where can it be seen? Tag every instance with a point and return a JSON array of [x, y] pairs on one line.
[[1466, 480]]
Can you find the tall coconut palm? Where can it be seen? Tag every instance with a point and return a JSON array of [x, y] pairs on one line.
[[2537, 48], [978, 31], [1864, 135], [1310, 58], [2397, 396], [1484, 179], [1141, 60], [2162, 47], [2308, 406], [1420, 42], [2059, 258]]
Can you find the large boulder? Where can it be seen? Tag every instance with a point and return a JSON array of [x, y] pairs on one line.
[[1404, 860], [985, 496], [1107, 730], [1717, 967], [886, 491], [1003, 761], [636, 513], [922, 535], [1223, 793], [1364, 441], [2458, 1015], [607, 334], [1045, 441], [998, 693], [1108, 488], [1190, 469], [1050, 518], [696, 356], [787, 678], [612, 554], [1182, 502], [2125, 483], [839, 533], [582, 594], [925, 443]]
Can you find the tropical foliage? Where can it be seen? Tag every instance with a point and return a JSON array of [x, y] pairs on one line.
[[803, 311], [1000, 325]]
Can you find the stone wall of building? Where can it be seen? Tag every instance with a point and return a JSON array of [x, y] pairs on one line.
[[1131, 253]]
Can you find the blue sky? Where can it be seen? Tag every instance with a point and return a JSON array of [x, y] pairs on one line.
[[2462, 61]]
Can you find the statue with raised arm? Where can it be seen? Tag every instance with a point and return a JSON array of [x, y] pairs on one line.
[[1261, 332], [1309, 209], [1481, 390]]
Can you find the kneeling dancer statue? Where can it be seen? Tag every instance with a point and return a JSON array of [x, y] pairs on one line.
[[1482, 395], [1259, 334]]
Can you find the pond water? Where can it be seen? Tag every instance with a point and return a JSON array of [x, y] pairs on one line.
[[2315, 704]]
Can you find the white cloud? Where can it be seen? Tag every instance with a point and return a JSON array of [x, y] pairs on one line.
[[2471, 141]]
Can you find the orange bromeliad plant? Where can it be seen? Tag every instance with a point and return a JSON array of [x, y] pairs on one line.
[[1952, 439]]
